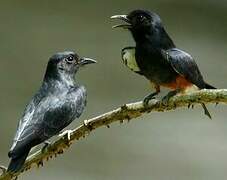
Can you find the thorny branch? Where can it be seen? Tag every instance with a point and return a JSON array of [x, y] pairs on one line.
[[125, 112]]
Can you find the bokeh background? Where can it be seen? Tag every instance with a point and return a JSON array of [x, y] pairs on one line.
[[179, 145]]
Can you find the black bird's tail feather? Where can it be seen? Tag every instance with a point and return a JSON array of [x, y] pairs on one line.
[[206, 112], [17, 163], [208, 86]]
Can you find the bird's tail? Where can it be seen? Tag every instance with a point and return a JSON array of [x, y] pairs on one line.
[[206, 112], [208, 86], [17, 163]]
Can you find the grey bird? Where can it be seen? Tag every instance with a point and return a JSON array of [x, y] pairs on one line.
[[57, 103]]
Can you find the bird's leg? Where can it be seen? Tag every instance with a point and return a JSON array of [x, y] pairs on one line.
[[170, 94], [4, 169], [66, 132], [151, 95]]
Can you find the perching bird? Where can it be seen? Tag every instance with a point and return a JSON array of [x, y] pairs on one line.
[[156, 57], [57, 103]]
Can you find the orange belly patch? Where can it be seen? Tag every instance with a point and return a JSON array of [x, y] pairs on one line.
[[179, 83]]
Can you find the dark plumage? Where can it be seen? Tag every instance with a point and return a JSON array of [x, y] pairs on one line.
[[57, 103], [157, 58]]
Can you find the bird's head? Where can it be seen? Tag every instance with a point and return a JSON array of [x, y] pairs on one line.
[[66, 63], [139, 22]]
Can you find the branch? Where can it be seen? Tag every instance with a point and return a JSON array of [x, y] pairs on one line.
[[125, 112]]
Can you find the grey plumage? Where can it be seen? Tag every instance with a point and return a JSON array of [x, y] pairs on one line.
[[57, 103]]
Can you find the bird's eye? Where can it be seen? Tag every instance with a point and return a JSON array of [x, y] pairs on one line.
[[142, 18], [69, 59]]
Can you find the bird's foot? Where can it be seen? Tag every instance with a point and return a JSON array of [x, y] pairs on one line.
[[167, 97], [46, 144], [66, 133], [148, 98], [3, 169], [86, 124]]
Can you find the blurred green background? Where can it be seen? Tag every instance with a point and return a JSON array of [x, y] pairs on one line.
[[179, 145]]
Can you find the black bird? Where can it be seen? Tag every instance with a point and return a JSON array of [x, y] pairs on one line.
[[156, 57], [57, 103]]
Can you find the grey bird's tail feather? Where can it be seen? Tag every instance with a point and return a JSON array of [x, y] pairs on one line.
[[17, 163]]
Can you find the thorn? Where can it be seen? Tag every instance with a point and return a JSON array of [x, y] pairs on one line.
[[15, 178], [128, 118], [61, 151], [40, 163]]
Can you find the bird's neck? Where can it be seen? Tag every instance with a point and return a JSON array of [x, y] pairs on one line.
[[59, 81], [156, 38]]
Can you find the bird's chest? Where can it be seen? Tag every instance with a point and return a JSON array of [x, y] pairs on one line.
[[154, 67], [148, 63]]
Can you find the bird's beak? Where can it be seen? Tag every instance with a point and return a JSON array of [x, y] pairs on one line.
[[123, 18], [85, 61]]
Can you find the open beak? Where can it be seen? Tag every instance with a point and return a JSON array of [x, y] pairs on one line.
[[123, 18], [85, 61]]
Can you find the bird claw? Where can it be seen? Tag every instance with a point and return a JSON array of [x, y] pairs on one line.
[[86, 124], [148, 98], [165, 100], [66, 132], [170, 94], [46, 144], [4, 169]]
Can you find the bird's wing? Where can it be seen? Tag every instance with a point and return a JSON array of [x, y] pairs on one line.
[[184, 64], [26, 118], [129, 59], [50, 116]]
